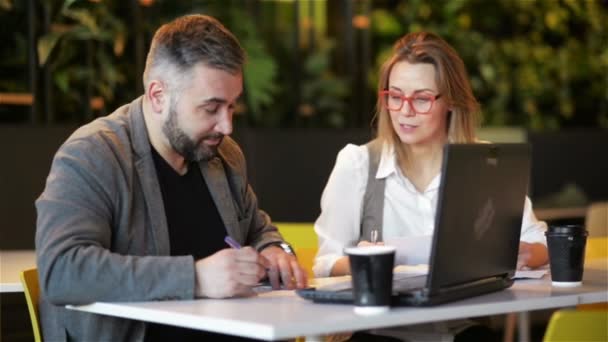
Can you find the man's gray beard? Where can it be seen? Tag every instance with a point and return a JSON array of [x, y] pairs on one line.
[[192, 151]]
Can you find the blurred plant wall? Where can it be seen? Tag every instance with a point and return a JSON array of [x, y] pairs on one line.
[[542, 64], [539, 64]]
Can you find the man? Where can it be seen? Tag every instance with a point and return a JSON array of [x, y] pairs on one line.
[[137, 204]]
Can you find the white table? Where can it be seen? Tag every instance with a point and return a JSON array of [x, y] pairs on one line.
[[281, 314], [12, 262]]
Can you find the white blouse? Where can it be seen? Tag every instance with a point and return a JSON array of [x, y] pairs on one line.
[[407, 212]]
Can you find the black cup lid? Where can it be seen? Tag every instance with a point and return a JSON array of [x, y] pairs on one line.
[[567, 229]]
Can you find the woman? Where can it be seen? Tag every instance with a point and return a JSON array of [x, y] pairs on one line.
[[424, 101]]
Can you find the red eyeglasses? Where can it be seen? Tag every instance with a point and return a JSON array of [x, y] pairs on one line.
[[420, 104]]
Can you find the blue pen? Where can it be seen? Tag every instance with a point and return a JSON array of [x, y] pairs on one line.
[[232, 242]]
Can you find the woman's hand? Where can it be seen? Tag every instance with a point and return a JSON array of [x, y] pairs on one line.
[[532, 255], [365, 243]]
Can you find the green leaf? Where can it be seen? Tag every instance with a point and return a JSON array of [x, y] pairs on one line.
[[6, 5], [84, 18], [119, 43], [46, 44], [82, 33], [384, 23], [67, 4], [62, 80], [259, 79]]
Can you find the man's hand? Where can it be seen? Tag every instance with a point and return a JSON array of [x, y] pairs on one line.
[[229, 272], [284, 266]]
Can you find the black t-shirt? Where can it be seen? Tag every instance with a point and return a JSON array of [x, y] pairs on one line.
[[195, 228], [195, 225]]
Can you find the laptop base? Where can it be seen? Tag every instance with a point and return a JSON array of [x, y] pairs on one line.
[[419, 297]]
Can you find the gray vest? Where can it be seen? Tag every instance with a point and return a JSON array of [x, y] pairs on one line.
[[373, 200]]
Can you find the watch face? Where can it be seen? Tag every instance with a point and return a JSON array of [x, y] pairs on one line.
[[287, 248]]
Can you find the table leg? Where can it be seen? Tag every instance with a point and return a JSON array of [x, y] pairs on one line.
[[523, 325], [509, 327]]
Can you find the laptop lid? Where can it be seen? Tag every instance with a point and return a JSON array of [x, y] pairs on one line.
[[477, 225], [479, 214]]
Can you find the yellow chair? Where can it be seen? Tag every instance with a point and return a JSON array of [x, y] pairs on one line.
[[596, 248], [302, 236], [596, 219], [577, 325], [29, 280]]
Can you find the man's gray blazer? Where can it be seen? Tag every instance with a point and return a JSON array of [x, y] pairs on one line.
[[102, 232]]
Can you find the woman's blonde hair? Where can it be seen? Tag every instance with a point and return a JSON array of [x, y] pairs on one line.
[[451, 78]]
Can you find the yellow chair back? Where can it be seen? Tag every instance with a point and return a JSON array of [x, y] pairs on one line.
[[596, 219], [577, 325], [29, 280], [596, 248], [302, 236]]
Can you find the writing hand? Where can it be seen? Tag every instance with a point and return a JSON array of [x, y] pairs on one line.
[[229, 273]]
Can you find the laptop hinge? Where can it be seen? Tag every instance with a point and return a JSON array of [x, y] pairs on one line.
[[446, 294], [471, 284]]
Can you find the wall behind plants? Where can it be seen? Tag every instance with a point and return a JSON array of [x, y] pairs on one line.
[[538, 64]]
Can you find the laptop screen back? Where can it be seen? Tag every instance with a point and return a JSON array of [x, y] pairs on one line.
[[479, 213]]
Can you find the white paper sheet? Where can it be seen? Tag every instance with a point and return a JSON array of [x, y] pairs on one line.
[[413, 250], [344, 282], [408, 271], [527, 273]]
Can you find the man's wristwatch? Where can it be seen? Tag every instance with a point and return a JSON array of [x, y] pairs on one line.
[[281, 244]]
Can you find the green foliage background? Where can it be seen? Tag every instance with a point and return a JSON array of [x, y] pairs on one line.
[[539, 64]]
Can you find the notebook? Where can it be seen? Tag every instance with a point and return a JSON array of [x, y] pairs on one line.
[[477, 228]]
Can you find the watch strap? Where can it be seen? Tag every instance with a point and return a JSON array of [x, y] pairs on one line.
[[281, 244]]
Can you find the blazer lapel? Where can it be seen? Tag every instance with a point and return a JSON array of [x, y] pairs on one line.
[[154, 205], [146, 173], [215, 177]]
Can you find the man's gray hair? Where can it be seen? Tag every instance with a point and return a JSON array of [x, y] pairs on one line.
[[186, 41]]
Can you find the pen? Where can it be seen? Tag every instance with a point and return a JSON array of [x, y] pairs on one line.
[[374, 236], [232, 242]]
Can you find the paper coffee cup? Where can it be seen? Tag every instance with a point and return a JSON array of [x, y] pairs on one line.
[[372, 277], [566, 244]]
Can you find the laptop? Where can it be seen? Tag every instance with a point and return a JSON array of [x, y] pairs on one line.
[[477, 228]]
